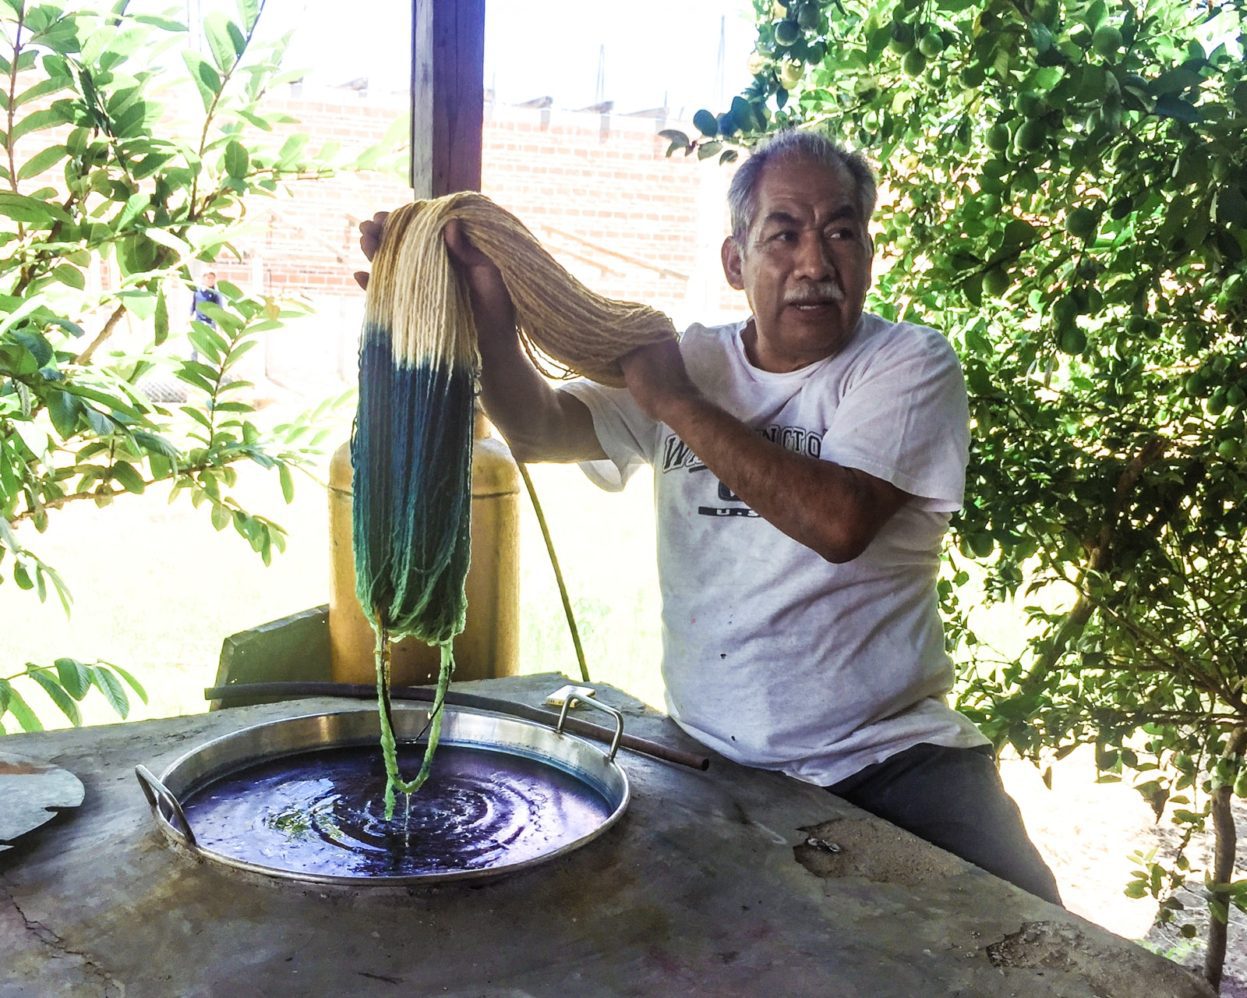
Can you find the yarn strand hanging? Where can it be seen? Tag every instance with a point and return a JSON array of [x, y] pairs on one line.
[[411, 450]]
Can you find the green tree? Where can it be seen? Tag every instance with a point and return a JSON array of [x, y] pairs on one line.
[[1065, 196], [95, 176]]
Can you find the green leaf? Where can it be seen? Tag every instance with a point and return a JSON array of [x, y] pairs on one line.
[[706, 123], [74, 677], [42, 161], [161, 332], [1169, 106], [249, 11], [679, 142], [134, 683], [207, 80], [220, 43], [220, 516], [44, 87], [64, 410], [107, 683], [236, 159], [18, 707], [128, 478], [56, 693], [135, 205], [163, 23], [155, 444], [70, 275], [149, 164], [287, 482], [31, 210], [36, 121], [163, 237]]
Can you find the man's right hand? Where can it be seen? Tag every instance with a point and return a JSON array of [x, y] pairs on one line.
[[491, 302]]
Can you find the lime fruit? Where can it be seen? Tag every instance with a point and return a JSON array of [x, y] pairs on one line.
[[902, 39], [1044, 11], [1081, 223], [996, 282], [1065, 311], [931, 44], [1030, 105], [1073, 340], [1106, 40], [998, 137], [914, 63], [1030, 136], [981, 545], [787, 32]]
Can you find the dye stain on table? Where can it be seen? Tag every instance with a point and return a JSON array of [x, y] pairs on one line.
[[322, 814]]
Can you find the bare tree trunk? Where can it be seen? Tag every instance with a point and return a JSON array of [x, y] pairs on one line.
[[1225, 849]]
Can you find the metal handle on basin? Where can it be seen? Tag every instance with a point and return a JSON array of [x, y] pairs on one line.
[[573, 698], [158, 794]]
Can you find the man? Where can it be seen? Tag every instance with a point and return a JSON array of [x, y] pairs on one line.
[[806, 463]]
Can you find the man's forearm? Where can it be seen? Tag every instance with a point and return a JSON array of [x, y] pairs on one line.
[[538, 422], [834, 510]]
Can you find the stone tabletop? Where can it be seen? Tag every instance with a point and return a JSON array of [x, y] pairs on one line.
[[707, 886]]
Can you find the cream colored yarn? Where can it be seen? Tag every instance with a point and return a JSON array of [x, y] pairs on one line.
[[560, 320]]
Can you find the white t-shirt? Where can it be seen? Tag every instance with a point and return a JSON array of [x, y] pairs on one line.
[[773, 656]]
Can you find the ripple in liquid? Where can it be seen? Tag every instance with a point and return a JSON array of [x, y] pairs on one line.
[[323, 813]]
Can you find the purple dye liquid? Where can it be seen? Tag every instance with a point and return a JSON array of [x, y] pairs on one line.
[[323, 813]]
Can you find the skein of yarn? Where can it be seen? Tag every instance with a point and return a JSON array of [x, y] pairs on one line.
[[411, 450]]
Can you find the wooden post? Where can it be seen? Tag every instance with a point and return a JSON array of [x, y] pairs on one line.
[[447, 95]]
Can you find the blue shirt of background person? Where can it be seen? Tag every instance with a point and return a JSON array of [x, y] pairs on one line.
[[206, 293]]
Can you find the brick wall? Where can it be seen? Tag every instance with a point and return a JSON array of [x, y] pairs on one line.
[[597, 191]]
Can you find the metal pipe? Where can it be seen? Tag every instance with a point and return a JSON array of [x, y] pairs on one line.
[[361, 691]]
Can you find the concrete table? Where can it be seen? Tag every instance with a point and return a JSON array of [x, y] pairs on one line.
[[705, 887]]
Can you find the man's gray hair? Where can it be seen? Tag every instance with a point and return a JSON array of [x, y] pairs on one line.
[[791, 144]]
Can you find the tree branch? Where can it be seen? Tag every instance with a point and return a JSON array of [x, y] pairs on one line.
[[104, 334], [1225, 838]]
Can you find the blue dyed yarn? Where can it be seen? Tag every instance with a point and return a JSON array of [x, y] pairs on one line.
[[411, 454]]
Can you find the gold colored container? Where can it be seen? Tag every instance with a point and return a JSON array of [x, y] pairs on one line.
[[489, 644]]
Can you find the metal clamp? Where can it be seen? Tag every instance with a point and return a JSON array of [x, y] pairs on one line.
[[573, 698], [158, 794]]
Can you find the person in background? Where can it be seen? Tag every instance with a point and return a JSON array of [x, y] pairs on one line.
[[206, 292]]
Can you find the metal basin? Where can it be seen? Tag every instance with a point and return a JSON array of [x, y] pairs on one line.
[[301, 798]]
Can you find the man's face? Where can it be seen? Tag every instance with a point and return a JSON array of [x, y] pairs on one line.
[[209, 280], [804, 264]]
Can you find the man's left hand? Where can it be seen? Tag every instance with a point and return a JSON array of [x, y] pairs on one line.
[[657, 378]]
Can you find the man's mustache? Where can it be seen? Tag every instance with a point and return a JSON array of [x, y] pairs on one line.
[[815, 294]]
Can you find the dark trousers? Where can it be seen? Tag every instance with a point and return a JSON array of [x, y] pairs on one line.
[[953, 798]]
